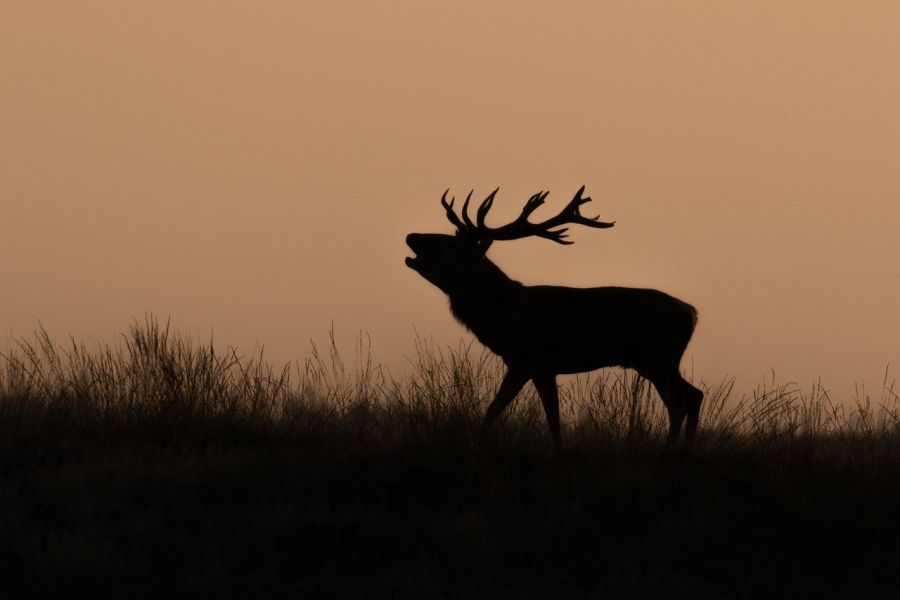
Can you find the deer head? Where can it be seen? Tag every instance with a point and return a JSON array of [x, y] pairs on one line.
[[448, 261]]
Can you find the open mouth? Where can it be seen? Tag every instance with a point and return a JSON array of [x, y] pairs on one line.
[[411, 261]]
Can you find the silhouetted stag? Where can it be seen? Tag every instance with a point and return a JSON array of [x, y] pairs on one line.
[[543, 331]]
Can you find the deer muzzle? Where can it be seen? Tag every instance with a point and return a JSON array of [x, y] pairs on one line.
[[411, 242]]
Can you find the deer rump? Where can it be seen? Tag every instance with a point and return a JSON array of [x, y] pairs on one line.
[[559, 330]]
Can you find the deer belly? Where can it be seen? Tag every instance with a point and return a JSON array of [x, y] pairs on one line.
[[581, 364], [577, 351], [570, 360]]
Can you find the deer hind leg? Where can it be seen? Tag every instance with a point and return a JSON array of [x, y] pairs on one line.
[[667, 386], [509, 387], [693, 398], [549, 393], [676, 419], [683, 402]]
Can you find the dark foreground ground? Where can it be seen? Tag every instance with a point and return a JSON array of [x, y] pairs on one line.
[[162, 468], [333, 520]]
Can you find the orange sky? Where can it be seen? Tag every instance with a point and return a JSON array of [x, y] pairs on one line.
[[253, 168]]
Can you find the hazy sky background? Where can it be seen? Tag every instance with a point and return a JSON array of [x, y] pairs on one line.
[[252, 168]]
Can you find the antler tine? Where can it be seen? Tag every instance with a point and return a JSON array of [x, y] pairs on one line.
[[557, 235], [465, 212], [451, 214], [484, 208], [533, 203]]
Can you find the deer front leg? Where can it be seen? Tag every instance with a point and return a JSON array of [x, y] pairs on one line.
[[547, 390], [512, 383]]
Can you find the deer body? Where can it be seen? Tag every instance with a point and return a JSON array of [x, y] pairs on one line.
[[564, 330], [544, 331]]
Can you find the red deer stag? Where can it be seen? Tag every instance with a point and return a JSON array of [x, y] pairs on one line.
[[544, 331]]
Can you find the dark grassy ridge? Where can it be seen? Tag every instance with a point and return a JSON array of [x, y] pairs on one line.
[[165, 467]]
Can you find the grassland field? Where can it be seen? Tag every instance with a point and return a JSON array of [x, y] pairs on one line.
[[163, 467]]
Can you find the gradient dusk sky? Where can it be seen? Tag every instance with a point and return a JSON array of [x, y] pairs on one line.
[[252, 168]]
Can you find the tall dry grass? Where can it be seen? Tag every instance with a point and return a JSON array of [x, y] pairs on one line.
[[157, 385]]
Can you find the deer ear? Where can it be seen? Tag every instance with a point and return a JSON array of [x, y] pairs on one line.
[[483, 245]]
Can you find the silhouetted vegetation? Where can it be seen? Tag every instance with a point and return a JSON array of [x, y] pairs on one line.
[[164, 465]]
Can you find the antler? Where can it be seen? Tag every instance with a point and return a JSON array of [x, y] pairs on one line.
[[451, 214], [522, 227]]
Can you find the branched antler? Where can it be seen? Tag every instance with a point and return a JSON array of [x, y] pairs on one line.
[[522, 227], [451, 214]]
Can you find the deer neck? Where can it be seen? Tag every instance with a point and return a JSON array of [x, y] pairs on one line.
[[485, 297]]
